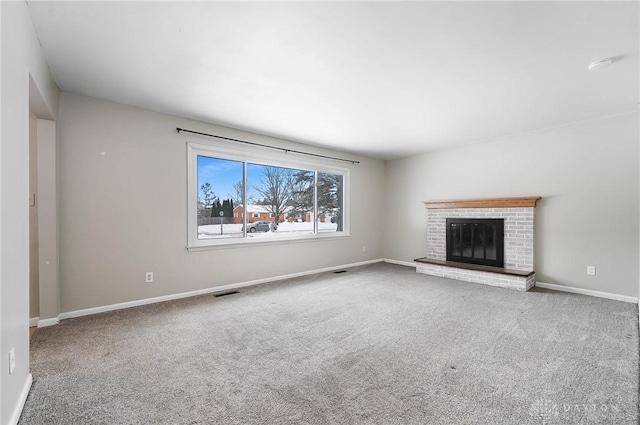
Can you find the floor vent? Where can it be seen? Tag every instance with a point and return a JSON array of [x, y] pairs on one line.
[[340, 271], [224, 294]]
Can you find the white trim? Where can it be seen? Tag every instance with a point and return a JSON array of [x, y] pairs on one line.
[[400, 263], [33, 321], [48, 322], [590, 292], [555, 287], [21, 401], [262, 241], [128, 304]]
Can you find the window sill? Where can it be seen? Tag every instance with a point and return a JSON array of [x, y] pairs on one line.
[[246, 243]]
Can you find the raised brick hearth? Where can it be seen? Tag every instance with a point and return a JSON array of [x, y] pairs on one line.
[[519, 249]]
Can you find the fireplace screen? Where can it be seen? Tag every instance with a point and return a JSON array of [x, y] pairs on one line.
[[476, 241]]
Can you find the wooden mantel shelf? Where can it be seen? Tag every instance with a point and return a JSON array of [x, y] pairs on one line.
[[525, 202]]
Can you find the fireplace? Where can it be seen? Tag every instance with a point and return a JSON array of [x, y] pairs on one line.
[[475, 241], [511, 246]]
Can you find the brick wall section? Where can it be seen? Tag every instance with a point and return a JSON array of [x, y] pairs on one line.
[[519, 248], [492, 279], [518, 233]]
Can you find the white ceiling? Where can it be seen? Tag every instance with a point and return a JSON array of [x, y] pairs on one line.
[[383, 79]]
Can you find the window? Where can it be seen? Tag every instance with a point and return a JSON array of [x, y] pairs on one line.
[[218, 198], [236, 200]]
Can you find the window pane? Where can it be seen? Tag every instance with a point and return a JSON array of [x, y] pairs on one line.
[[220, 192], [492, 246], [456, 246], [330, 202], [282, 198], [466, 240]]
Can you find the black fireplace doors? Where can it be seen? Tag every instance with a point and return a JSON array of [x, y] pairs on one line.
[[476, 241]]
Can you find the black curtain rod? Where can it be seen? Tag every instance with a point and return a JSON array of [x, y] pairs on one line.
[[178, 129]]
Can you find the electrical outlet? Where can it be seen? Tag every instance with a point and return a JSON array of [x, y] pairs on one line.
[[364, 248], [148, 277], [12, 360], [591, 270]]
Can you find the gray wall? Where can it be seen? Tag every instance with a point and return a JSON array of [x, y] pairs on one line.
[[22, 64], [34, 287], [125, 213], [46, 201], [586, 173]]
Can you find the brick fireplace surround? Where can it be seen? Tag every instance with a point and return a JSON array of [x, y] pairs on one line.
[[519, 249]]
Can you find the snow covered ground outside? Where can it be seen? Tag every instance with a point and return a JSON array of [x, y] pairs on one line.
[[212, 231]]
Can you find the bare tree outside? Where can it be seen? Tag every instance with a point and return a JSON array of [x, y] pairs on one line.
[[274, 189], [238, 195]]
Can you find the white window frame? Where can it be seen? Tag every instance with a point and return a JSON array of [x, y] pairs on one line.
[[196, 149]]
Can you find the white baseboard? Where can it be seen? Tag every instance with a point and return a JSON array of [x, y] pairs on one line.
[[591, 292], [553, 286], [48, 322], [400, 263], [33, 321], [23, 398], [128, 304]]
